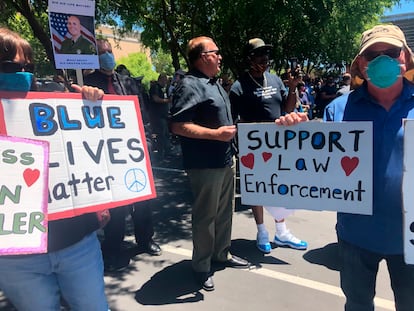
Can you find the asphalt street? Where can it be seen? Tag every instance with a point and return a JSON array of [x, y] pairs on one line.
[[285, 279]]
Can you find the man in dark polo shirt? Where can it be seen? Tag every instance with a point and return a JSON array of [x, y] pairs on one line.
[[201, 116]]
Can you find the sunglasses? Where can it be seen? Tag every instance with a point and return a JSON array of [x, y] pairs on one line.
[[9, 66], [217, 52], [393, 53], [260, 53]]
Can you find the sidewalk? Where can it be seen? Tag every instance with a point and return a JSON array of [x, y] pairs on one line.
[[285, 279]]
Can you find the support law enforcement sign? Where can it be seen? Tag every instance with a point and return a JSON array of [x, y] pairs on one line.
[[312, 165]]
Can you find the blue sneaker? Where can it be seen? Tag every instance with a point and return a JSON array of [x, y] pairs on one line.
[[262, 242], [288, 239]]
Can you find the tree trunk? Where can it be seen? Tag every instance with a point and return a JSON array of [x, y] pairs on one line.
[[38, 30]]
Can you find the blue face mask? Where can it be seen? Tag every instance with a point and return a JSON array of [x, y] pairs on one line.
[[383, 71], [107, 61], [16, 82]]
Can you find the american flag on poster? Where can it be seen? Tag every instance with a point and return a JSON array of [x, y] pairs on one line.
[[58, 22]]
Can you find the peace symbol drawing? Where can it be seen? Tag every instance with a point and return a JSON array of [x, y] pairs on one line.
[[135, 180]]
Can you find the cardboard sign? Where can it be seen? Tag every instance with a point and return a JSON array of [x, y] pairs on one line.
[[312, 165], [98, 151], [23, 196], [72, 30], [408, 199]]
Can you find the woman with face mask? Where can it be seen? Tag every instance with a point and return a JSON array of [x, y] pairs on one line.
[[72, 268], [16, 63]]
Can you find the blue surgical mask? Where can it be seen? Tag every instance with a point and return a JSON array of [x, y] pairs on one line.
[[383, 71], [107, 61], [16, 82]]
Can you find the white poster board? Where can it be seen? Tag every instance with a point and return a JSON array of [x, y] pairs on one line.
[[312, 165], [66, 19], [23, 196], [408, 198], [98, 152]]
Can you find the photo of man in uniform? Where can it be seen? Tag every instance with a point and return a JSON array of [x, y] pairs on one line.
[[77, 43]]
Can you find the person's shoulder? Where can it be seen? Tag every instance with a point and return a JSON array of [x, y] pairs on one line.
[[66, 44], [96, 74], [191, 76], [122, 78], [84, 40], [334, 111], [273, 77], [129, 83], [192, 81], [340, 100], [408, 84], [236, 87], [153, 86], [190, 86]]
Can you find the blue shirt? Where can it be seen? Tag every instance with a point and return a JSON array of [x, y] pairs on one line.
[[381, 232]]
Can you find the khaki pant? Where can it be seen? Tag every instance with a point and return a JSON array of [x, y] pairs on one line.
[[212, 214]]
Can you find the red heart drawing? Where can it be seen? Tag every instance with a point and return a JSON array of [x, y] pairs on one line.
[[30, 176], [248, 160], [349, 164], [266, 156]]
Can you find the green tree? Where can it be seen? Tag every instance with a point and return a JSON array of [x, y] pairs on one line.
[[162, 62], [316, 32]]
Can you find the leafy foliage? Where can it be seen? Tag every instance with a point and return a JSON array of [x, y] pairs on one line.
[[317, 32], [320, 33]]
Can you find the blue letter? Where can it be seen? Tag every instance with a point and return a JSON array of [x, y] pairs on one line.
[[65, 123], [41, 116], [113, 117]]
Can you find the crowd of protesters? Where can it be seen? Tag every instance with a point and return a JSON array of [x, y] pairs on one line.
[[199, 110]]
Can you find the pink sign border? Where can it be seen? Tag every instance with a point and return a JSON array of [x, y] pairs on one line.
[[42, 248]]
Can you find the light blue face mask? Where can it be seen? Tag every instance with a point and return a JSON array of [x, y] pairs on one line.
[[16, 82], [383, 71], [107, 61]]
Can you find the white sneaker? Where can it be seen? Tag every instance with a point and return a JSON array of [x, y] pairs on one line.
[[262, 242], [288, 239]]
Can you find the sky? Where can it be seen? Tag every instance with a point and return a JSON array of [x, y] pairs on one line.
[[406, 6]]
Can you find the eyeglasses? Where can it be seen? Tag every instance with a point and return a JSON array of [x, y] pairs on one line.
[[393, 53], [217, 52], [9, 66]]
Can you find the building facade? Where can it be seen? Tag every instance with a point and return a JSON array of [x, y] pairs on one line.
[[405, 22], [122, 47]]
